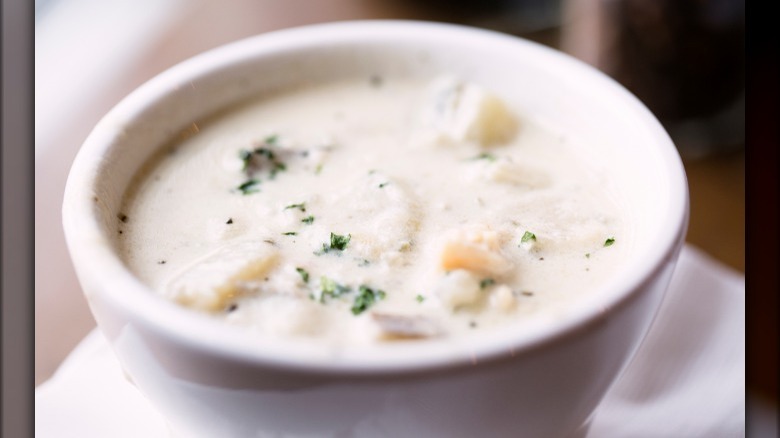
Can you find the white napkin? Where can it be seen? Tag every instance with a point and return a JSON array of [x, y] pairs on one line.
[[687, 380]]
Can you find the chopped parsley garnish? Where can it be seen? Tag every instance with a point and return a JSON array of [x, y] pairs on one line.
[[308, 219], [278, 167], [318, 169], [246, 158], [290, 233], [265, 152], [250, 186], [261, 158], [381, 186], [364, 262], [339, 242], [486, 282], [331, 288], [301, 206], [304, 274], [366, 298], [587, 255], [272, 139], [528, 237], [419, 298], [485, 156], [609, 241]]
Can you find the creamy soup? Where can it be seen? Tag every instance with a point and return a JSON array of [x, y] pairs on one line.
[[374, 211]]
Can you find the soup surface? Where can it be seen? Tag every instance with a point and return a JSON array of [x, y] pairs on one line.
[[374, 211]]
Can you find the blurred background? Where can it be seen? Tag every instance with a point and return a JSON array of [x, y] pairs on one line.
[[684, 58]]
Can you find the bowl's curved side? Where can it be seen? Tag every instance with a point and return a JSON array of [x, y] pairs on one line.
[[548, 393]]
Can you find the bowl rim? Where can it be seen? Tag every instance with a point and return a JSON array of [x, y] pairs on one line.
[[100, 267]]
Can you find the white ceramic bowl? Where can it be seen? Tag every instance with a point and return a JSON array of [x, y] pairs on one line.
[[215, 381]]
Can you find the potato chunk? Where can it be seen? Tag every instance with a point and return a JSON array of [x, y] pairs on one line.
[[506, 171], [467, 112], [476, 250], [210, 282], [502, 298], [458, 288]]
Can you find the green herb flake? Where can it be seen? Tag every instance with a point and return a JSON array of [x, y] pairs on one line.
[[419, 298], [609, 242], [262, 158], [272, 140], [366, 298], [278, 167], [246, 158], [528, 237], [265, 152], [304, 274], [331, 289], [486, 283], [339, 242], [318, 169], [485, 156], [249, 187], [301, 206], [308, 220], [587, 255], [290, 233], [381, 186]]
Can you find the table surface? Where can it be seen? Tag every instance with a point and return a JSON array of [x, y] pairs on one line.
[[717, 191]]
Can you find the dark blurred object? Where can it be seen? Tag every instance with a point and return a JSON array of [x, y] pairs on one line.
[[537, 20], [763, 206], [685, 59]]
